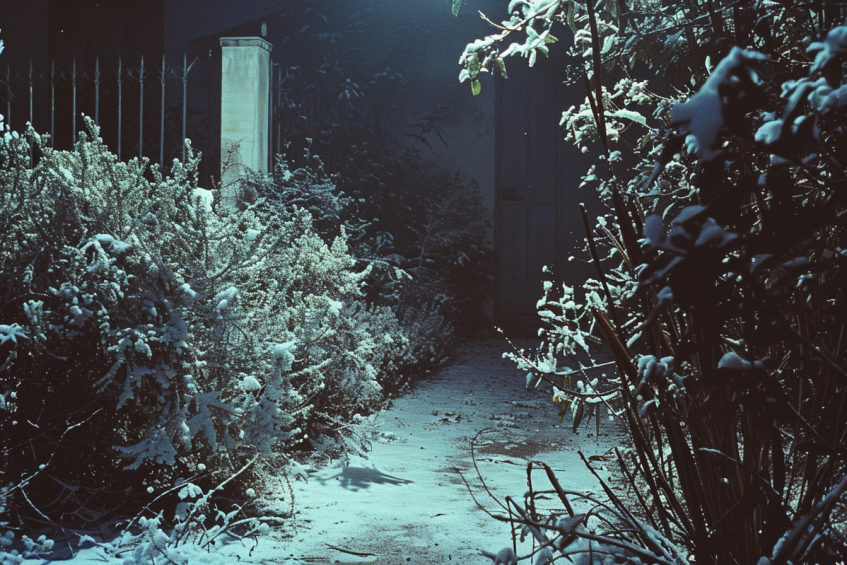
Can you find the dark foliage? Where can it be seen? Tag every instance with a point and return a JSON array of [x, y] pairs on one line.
[[730, 355], [340, 110]]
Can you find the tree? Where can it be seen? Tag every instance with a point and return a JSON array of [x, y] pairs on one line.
[[724, 310]]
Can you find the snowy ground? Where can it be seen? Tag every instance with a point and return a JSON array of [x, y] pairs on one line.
[[406, 502]]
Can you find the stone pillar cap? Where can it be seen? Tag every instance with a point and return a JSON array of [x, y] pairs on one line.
[[245, 42]]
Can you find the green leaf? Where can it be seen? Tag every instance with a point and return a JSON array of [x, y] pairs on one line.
[[501, 67], [580, 411], [456, 5], [475, 87], [608, 43], [473, 65]]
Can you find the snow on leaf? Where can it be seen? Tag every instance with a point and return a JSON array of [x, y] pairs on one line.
[[769, 132], [335, 307], [503, 557], [117, 246], [190, 491], [630, 115], [608, 43], [702, 115], [203, 422], [544, 557], [633, 339], [154, 446], [734, 362], [250, 384], [11, 332], [687, 213], [284, 354], [833, 46]]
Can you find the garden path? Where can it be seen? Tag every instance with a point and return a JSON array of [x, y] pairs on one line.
[[406, 500]]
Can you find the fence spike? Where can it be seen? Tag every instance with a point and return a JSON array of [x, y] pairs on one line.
[[162, 128], [73, 123], [97, 90], [30, 92], [8, 95], [141, 110], [76, 78], [184, 99], [120, 93], [52, 102], [278, 112]]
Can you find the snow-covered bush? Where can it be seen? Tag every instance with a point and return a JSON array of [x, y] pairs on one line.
[[340, 102], [145, 331], [422, 234], [198, 526], [721, 306], [428, 247]]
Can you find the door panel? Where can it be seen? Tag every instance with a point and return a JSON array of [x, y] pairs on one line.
[[527, 229], [538, 178], [514, 268]]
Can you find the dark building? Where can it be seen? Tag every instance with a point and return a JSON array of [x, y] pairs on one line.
[[506, 138]]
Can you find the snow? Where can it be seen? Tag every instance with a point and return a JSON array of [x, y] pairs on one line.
[[825, 98], [335, 307], [11, 333], [405, 500], [701, 117], [225, 298], [117, 246], [284, 354], [833, 46], [733, 362], [204, 198], [769, 132], [250, 384]]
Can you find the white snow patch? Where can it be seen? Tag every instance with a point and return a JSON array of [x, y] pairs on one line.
[[204, 198]]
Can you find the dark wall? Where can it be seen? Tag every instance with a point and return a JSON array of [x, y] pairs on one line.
[[58, 37], [86, 29], [24, 28]]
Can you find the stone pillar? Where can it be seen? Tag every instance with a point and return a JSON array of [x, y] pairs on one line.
[[245, 110]]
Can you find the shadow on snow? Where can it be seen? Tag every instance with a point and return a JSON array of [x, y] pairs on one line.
[[359, 478]]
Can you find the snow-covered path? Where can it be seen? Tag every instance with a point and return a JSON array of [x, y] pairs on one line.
[[407, 503]]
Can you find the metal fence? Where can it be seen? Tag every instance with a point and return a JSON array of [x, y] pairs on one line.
[[142, 109], [135, 105]]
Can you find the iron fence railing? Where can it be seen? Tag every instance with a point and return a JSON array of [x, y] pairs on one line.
[[76, 79], [142, 110]]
